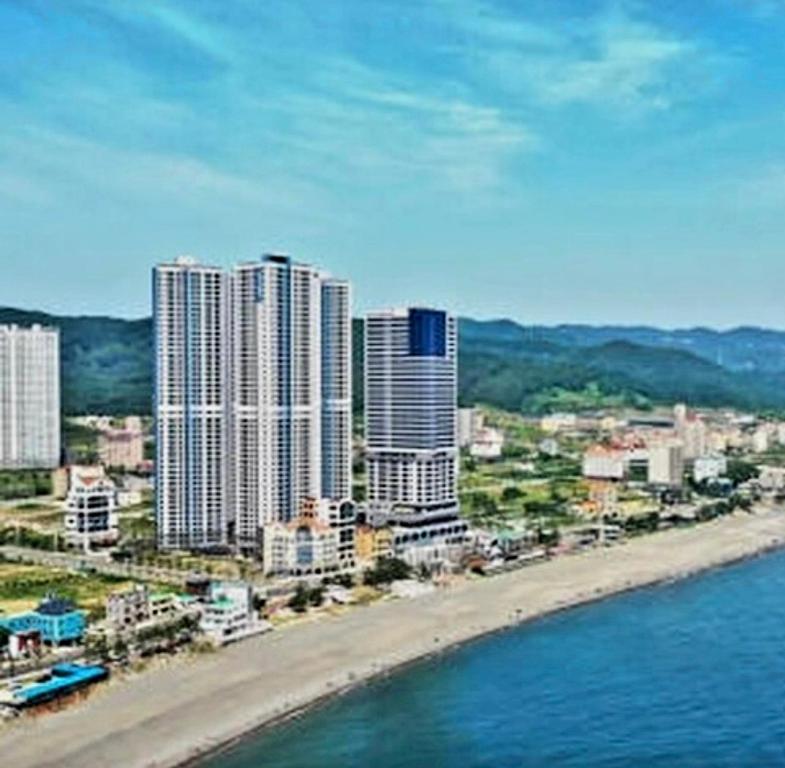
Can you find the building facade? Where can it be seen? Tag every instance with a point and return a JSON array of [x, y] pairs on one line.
[[122, 448], [303, 547], [192, 354], [29, 397], [91, 511], [57, 621], [291, 392], [411, 409]]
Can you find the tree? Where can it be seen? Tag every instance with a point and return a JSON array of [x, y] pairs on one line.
[[511, 493], [316, 596], [387, 570], [741, 471], [300, 599]]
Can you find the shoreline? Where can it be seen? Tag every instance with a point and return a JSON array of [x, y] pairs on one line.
[[187, 713], [304, 710]]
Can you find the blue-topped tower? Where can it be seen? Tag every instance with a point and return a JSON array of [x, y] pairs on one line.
[[411, 376]]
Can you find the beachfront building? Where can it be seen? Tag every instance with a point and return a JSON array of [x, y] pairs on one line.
[[291, 392], [411, 409], [303, 547], [411, 376], [127, 609], [373, 543], [341, 516], [192, 347], [229, 615], [138, 606], [29, 397], [56, 620], [91, 510]]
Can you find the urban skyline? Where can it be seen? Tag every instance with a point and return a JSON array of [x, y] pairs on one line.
[[380, 137]]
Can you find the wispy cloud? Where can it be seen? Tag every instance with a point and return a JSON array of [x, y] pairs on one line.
[[612, 59]]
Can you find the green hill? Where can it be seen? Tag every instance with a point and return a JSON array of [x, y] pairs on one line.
[[107, 366]]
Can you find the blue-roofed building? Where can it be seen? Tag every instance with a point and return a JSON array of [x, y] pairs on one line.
[[56, 619]]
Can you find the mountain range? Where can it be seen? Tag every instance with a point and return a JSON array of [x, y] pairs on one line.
[[107, 365]]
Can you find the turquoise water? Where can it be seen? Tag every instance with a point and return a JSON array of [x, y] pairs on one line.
[[689, 674]]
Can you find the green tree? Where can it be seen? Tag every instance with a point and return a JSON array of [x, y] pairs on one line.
[[316, 596], [387, 570], [511, 493], [300, 599], [741, 471]]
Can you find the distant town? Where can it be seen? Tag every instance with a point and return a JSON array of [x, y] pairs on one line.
[[254, 497]]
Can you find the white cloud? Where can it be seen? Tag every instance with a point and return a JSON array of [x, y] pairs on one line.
[[612, 59]]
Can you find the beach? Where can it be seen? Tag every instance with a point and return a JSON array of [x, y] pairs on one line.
[[172, 715]]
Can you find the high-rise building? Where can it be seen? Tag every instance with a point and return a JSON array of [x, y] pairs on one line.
[[192, 369], [336, 390], [29, 397], [411, 410], [291, 392]]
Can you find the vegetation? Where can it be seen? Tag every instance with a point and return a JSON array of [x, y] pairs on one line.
[[22, 587], [106, 363], [81, 443], [304, 597], [387, 570], [107, 366], [25, 484], [741, 471]]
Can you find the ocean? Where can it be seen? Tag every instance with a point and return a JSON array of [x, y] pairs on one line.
[[685, 674]]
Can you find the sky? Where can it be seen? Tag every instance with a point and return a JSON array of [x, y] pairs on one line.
[[552, 161]]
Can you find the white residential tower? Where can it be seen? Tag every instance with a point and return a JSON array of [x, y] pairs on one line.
[[29, 397], [192, 368]]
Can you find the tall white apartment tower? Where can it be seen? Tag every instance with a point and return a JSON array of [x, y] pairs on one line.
[[29, 397], [336, 389], [411, 409], [192, 390], [291, 392]]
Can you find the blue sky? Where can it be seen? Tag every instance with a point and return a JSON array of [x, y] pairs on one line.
[[547, 160]]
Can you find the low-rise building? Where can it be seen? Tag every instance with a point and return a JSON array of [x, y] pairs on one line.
[[488, 444], [603, 463], [138, 606], [305, 546], [666, 465], [91, 511], [470, 421], [373, 543], [558, 422], [341, 516], [709, 468], [57, 621], [229, 614], [122, 448], [126, 610], [418, 538], [772, 478], [760, 440]]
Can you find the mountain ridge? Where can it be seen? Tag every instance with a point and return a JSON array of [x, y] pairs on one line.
[[107, 364]]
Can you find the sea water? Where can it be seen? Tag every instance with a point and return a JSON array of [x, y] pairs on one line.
[[685, 674]]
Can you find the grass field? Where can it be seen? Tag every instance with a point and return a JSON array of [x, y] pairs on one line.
[[22, 587]]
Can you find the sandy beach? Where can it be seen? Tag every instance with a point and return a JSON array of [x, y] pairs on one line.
[[169, 716]]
